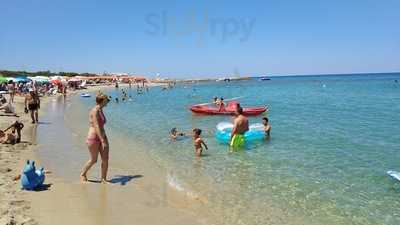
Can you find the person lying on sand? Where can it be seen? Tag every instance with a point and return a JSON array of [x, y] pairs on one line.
[[10, 137], [175, 134], [198, 142]]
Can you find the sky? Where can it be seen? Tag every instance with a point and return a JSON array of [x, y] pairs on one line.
[[207, 38]]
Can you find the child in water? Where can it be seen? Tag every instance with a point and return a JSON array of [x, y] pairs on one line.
[[198, 142], [267, 127], [175, 134]]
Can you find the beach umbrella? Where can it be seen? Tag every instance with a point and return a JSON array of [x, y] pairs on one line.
[[3, 79], [40, 79], [22, 79], [75, 79], [56, 82], [11, 79], [55, 78]]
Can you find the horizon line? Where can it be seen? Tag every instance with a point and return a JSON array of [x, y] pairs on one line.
[[215, 77]]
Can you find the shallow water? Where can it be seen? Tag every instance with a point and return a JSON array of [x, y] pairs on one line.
[[333, 139]]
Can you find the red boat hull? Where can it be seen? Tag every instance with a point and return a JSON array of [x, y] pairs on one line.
[[252, 111]]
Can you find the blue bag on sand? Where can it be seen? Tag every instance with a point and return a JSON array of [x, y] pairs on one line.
[[32, 178]]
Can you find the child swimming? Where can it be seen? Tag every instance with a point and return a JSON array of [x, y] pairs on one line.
[[198, 142], [175, 134]]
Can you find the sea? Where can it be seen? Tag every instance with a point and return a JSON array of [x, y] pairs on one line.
[[332, 142]]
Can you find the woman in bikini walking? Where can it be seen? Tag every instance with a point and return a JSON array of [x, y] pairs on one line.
[[97, 140]]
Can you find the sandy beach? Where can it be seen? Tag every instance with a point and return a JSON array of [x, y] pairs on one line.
[[14, 203], [137, 198]]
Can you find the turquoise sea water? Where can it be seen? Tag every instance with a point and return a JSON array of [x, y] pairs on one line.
[[333, 139]]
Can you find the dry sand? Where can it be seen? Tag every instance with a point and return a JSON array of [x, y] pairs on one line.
[[13, 203], [141, 202]]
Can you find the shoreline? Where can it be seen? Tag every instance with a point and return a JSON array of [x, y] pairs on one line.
[[44, 207]]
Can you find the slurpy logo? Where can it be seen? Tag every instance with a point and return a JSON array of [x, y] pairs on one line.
[[199, 26]]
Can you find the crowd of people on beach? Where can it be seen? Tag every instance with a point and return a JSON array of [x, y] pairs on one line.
[[31, 92]]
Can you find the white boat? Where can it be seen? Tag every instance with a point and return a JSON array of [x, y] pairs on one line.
[[85, 95], [264, 78]]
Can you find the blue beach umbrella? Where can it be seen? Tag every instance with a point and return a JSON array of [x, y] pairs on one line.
[[22, 79]]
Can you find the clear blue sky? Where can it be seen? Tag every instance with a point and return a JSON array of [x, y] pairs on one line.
[[201, 38]]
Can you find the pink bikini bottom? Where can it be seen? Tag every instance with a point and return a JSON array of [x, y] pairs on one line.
[[93, 139]]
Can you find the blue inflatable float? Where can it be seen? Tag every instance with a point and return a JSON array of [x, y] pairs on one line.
[[255, 133], [32, 178], [85, 95]]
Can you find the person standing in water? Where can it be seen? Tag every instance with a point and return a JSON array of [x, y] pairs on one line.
[[97, 140], [240, 126], [198, 142], [32, 103], [267, 127]]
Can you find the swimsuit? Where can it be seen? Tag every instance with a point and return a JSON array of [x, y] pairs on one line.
[[33, 106], [237, 141], [94, 138]]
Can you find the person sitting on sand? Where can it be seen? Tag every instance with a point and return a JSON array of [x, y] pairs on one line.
[[9, 137], [32, 103], [175, 134], [7, 107], [198, 142], [3, 100], [97, 140], [267, 127]]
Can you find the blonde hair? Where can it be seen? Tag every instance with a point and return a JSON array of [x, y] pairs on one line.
[[101, 98]]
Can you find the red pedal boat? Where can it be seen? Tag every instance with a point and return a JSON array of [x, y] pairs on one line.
[[228, 110]]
